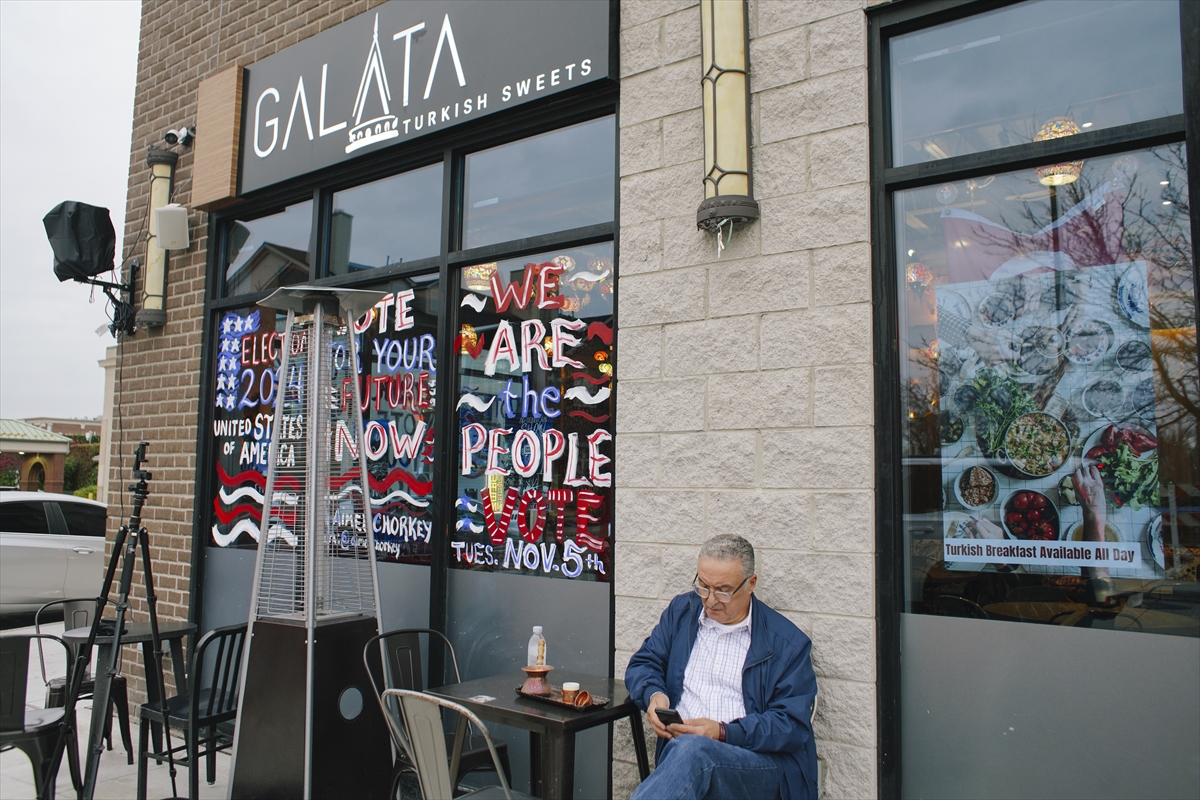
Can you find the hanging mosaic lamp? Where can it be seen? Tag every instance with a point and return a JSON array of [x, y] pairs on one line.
[[1068, 171], [479, 278], [918, 276]]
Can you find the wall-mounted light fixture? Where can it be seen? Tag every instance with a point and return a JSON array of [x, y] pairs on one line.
[[725, 86], [152, 313]]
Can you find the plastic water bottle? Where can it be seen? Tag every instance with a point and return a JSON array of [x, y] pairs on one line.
[[536, 642]]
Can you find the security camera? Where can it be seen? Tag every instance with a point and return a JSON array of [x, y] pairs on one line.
[[183, 135]]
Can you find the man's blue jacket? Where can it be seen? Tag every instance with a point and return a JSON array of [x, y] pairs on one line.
[[778, 686]]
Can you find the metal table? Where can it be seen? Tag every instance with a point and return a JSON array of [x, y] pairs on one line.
[[172, 633], [551, 729]]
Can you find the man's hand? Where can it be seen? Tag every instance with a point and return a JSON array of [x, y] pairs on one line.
[[659, 700], [698, 727]]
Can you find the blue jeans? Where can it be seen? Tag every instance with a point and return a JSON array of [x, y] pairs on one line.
[[693, 767]]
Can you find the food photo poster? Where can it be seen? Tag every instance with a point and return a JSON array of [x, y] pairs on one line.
[[1074, 389]]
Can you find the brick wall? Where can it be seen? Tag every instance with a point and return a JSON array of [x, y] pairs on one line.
[[158, 375], [746, 382]]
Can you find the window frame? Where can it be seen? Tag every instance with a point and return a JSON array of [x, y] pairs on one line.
[[883, 23], [591, 102]]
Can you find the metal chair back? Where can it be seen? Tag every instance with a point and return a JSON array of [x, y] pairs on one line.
[[213, 675], [421, 716], [393, 660], [77, 613], [14, 674]]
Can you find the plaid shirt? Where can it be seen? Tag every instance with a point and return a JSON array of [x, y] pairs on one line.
[[712, 682]]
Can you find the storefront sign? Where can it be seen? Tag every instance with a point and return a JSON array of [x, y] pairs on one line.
[[407, 69]]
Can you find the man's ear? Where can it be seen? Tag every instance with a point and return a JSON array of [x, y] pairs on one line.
[[753, 582]]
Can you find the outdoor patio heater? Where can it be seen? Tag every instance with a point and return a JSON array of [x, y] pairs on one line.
[[307, 724]]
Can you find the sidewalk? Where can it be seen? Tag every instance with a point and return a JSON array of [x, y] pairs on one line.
[[116, 780]]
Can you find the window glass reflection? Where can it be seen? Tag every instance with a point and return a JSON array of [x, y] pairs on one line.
[[1050, 397], [387, 222], [552, 182], [997, 79], [269, 252]]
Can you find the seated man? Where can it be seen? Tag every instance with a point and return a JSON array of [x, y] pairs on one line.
[[740, 676]]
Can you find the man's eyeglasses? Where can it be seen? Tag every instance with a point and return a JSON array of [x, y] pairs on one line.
[[720, 597]]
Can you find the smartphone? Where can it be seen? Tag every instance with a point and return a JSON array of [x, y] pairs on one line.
[[669, 716]]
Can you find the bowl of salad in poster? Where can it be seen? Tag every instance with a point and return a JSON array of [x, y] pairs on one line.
[[1127, 457], [1037, 444], [1029, 514]]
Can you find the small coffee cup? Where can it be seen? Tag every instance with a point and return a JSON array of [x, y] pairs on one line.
[[583, 699], [569, 690]]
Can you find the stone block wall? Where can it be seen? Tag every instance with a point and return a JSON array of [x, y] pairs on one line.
[[157, 374], [746, 398]]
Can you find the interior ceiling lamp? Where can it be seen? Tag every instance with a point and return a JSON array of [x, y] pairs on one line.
[[1068, 171], [162, 177], [725, 86]]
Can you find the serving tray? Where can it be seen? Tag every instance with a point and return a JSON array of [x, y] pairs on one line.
[[555, 699]]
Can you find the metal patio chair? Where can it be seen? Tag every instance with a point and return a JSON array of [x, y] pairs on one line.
[[403, 671], [420, 714], [210, 702], [33, 731], [77, 613]]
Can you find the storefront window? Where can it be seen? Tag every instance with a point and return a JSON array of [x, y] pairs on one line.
[[1049, 395], [247, 343], [269, 252], [553, 182], [387, 222], [398, 346], [996, 79], [535, 450]]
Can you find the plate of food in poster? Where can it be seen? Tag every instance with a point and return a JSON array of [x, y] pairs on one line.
[[1127, 457]]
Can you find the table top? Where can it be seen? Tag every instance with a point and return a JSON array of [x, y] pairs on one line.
[[509, 708], [135, 633]]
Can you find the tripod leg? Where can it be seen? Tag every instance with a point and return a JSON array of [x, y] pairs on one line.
[[152, 606], [83, 657], [104, 679]]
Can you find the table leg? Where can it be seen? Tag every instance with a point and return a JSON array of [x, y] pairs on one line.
[[152, 696], [178, 666], [100, 700], [558, 767], [535, 764], [639, 743]]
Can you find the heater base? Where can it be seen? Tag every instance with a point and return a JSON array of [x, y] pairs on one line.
[[351, 749]]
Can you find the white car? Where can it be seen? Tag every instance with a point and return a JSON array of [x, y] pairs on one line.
[[51, 548]]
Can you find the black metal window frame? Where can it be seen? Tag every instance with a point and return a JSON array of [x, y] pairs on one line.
[[883, 23], [591, 102]]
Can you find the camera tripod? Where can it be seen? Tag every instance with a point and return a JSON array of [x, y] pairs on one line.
[[125, 549]]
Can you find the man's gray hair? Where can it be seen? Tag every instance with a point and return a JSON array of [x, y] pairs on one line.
[[727, 546]]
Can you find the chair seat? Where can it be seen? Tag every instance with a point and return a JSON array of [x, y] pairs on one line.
[[179, 708], [56, 690], [494, 793], [37, 717]]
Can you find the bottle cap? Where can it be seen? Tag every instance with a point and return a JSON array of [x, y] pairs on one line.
[[537, 628]]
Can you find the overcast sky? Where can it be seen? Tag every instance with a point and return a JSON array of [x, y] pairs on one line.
[[67, 75]]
